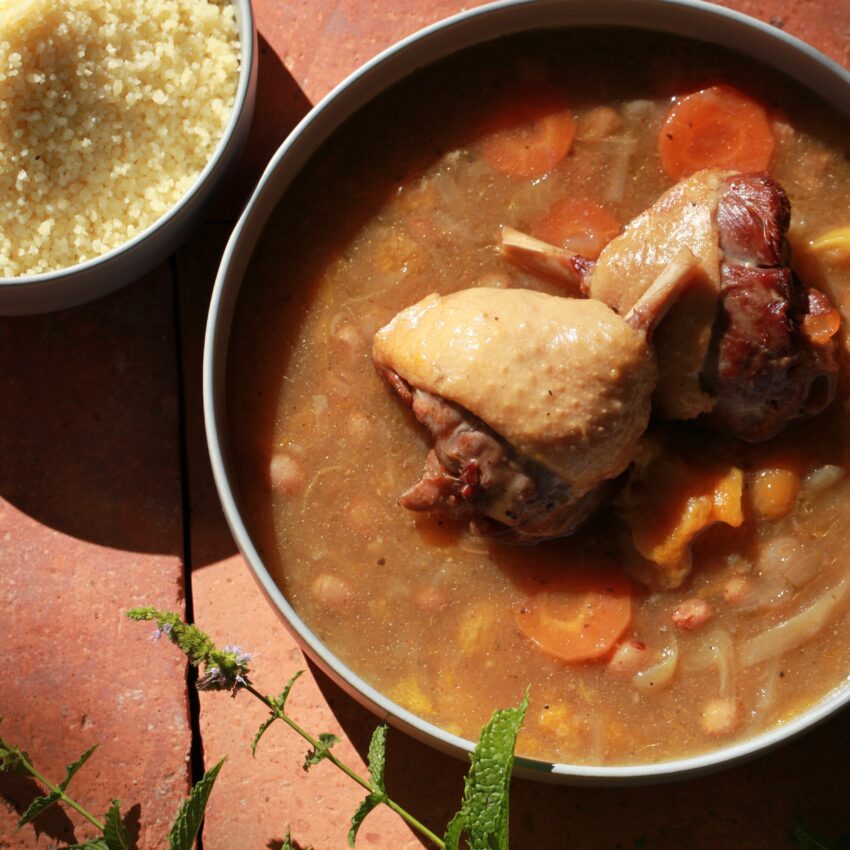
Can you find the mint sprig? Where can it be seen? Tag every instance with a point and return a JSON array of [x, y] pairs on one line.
[[114, 834], [482, 820], [483, 816]]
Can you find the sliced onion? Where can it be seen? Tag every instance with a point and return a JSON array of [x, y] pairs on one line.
[[796, 630], [637, 109], [766, 694], [661, 673], [799, 571], [715, 650], [764, 592], [618, 173]]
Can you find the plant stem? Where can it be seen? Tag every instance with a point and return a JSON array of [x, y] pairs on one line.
[[55, 789], [401, 812]]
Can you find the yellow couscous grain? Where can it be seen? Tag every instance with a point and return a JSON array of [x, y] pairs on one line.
[[109, 111]]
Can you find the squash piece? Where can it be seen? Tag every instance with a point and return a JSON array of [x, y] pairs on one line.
[[409, 694], [476, 635], [836, 243], [669, 501]]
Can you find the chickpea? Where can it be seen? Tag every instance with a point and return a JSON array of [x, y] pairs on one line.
[[773, 492], [286, 476], [719, 717], [360, 426], [598, 123], [332, 592], [736, 590], [629, 657], [361, 515], [692, 613]]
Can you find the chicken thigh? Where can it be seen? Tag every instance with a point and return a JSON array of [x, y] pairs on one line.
[[535, 403]]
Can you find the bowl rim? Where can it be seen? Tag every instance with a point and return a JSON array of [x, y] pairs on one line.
[[228, 281], [246, 31]]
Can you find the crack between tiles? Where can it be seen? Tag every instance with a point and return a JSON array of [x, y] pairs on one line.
[[196, 750]]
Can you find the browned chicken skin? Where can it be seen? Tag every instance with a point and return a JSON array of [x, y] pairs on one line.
[[754, 369], [763, 370], [534, 404]]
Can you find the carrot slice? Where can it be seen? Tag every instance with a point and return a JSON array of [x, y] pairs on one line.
[[531, 132], [583, 227], [577, 614], [718, 127]]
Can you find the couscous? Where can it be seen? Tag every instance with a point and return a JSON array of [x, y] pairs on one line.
[[109, 111]]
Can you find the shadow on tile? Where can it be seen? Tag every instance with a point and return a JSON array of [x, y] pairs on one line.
[[280, 106], [90, 437]]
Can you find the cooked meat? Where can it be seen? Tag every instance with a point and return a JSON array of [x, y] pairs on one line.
[[472, 472], [753, 216], [535, 404], [764, 371], [738, 348], [685, 215]]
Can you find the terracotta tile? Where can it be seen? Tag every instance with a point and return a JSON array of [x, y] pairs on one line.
[[90, 525], [822, 23]]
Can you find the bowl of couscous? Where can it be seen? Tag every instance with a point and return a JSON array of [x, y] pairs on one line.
[[117, 119]]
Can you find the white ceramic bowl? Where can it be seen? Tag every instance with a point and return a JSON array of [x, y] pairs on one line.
[[101, 275], [689, 18]]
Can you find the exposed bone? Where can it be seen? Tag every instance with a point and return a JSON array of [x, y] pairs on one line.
[[545, 259], [652, 306]]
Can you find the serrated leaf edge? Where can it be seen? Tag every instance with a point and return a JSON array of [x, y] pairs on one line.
[[71, 769], [368, 804], [182, 833], [315, 755], [37, 806], [115, 833], [377, 757]]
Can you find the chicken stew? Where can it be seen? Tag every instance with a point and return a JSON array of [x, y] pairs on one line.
[[615, 345]]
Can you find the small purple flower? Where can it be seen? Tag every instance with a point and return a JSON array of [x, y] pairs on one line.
[[159, 631], [242, 657], [211, 680]]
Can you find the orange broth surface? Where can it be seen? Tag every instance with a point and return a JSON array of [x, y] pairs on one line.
[[405, 201]]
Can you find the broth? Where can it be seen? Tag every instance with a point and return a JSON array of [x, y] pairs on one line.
[[402, 203]]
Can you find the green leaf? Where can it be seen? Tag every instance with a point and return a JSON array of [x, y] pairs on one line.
[[71, 769], [12, 759], [454, 832], [93, 844], [322, 751], [279, 704], [483, 816], [261, 731], [359, 816], [36, 807], [640, 843], [377, 758], [191, 814], [288, 845], [115, 833]]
